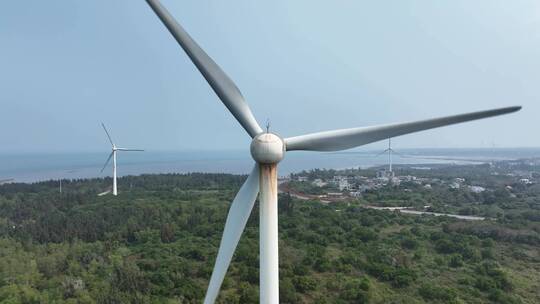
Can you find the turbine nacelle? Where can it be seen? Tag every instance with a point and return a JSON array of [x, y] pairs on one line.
[[267, 148]]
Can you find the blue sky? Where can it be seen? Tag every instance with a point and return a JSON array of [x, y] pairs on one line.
[[308, 66]]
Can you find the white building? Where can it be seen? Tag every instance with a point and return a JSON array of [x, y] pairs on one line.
[[342, 182], [344, 185], [385, 174], [477, 189], [319, 183], [525, 181], [355, 193]]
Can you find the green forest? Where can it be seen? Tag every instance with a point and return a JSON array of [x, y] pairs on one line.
[[157, 240]]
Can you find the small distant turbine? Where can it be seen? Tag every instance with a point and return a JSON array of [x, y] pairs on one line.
[[113, 156], [390, 152], [60, 180], [268, 149]]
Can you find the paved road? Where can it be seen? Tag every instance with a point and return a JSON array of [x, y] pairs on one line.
[[406, 210]]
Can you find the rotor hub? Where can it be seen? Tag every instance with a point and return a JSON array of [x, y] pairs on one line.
[[267, 148]]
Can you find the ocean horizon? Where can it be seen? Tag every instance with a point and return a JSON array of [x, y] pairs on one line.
[[34, 167]]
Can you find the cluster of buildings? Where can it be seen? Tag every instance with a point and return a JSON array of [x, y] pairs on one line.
[[459, 183], [342, 186], [355, 185]]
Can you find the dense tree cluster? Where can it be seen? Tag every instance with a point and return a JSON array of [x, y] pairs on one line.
[[156, 243]]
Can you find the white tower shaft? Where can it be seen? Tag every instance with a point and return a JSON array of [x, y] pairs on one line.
[[115, 191], [269, 262], [390, 154]]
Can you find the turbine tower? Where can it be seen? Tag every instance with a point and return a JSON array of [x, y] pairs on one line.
[[113, 156], [268, 149]]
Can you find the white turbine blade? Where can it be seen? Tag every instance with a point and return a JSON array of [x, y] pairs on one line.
[[125, 149], [234, 226], [349, 138], [107, 162], [218, 80], [107, 132]]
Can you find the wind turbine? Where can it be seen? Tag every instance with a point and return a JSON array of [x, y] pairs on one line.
[[113, 156], [268, 149], [390, 152]]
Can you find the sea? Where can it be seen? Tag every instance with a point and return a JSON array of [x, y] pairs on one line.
[[35, 167]]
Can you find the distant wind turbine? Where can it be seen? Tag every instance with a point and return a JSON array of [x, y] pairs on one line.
[[268, 149], [113, 156], [61, 179], [390, 152]]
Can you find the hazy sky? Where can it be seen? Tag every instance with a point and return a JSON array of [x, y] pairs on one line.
[[307, 65]]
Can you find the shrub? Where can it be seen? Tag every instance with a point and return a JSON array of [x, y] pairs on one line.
[[248, 293], [287, 291], [432, 292], [409, 243], [304, 283], [455, 261], [356, 291]]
